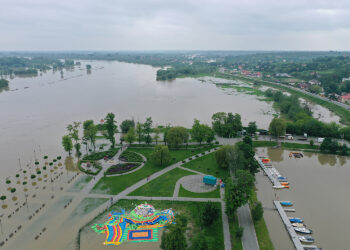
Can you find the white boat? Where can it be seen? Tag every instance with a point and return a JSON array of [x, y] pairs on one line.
[[278, 187], [302, 230], [306, 239], [298, 225]]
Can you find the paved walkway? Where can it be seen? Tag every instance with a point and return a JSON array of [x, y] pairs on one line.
[[249, 239]]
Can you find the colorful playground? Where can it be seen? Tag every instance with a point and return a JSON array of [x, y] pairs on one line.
[[140, 225]]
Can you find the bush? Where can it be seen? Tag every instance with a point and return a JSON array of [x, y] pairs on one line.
[[217, 143], [17, 175], [257, 211], [45, 157], [59, 157], [208, 214], [32, 176], [183, 161], [8, 181], [239, 232], [312, 143], [95, 164]]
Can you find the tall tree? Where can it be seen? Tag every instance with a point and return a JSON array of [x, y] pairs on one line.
[[139, 131], [177, 136], [252, 128], [198, 131], [147, 130], [126, 125], [160, 155], [165, 135], [67, 143], [277, 127], [73, 130], [130, 136], [90, 131], [111, 128], [156, 134]]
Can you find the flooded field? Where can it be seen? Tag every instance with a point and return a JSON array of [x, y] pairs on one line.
[[37, 110], [319, 189]]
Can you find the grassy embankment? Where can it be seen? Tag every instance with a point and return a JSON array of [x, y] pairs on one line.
[[116, 184], [262, 233]]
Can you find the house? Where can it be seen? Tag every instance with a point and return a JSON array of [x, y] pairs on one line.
[[314, 82], [345, 98], [345, 79], [282, 75]]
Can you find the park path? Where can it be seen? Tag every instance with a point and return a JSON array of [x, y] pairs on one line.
[[249, 239]]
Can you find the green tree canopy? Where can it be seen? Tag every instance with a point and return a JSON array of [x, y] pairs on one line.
[[111, 128], [161, 155], [177, 136], [126, 125], [67, 143], [277, 127]]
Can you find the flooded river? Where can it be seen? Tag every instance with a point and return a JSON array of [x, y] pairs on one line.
[[319, 190], [35, 112]]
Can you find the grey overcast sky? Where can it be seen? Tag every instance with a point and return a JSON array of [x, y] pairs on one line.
[[175, 25]]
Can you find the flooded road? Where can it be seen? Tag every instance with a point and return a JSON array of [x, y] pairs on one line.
[[35, 112], [319, 190]]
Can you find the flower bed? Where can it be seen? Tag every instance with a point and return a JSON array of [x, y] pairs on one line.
[[130, 156], [100, 155], [94, 168], [122, 168]]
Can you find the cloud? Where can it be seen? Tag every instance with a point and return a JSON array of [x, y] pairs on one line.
[[165, 24]]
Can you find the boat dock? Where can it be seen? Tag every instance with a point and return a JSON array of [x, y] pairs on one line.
[[293, 235], [274, 180]]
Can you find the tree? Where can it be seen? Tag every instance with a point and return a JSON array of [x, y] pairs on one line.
[[88, 66], [77, 149], [111, 128], [147, 129], [219, 122], [248, 140], [277, 127], [257, 211], [173, 237], [126, 125], [177, 136], [203, 242], [130, 136], [198, 131], [221, 155], [344, 150], [252, 128], [73, 130], [312, 143], [139, 131], [315, 89], [237, 192], [165, 134], [156, 134], [160, 155], [67, 143], [90, 131], [208, 214]]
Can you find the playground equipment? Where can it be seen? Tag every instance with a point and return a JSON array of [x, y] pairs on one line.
[[141, 225], [210, 180]]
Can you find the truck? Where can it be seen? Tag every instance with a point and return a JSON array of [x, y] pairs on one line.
[[320, 140], [210, 180]]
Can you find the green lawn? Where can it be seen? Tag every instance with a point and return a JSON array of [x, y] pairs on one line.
[[207, 165], [162, 186], [189, 209], [185, 193], [116, 184], [264, 144], [290, 145], [236, 242], [262, 233]]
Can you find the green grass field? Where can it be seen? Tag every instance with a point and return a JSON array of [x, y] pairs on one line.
[[116, 184], [185, 193], [236, 242], [262, 233], [162, 186], [207, 165]]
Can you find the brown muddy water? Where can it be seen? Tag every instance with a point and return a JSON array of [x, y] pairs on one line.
[[319, 190], [36, 111]]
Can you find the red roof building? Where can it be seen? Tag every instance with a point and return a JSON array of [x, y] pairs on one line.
[[345, 98]]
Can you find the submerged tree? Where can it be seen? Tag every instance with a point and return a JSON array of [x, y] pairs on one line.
[[67, 143], [90, 131]]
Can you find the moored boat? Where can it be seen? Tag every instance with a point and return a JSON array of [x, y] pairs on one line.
[[302, 230], [286, 203], [298, 225], [306, 239], [295, 220]]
